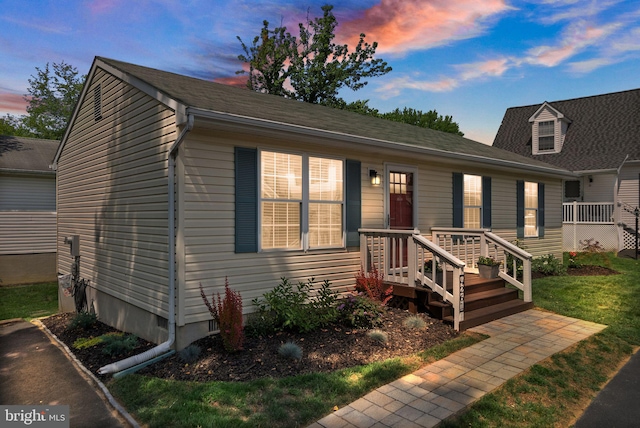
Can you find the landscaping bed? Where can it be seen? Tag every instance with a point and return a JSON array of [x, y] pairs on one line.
[[325, 350]]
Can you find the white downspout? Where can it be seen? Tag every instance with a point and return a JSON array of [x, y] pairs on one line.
[[165, 346]]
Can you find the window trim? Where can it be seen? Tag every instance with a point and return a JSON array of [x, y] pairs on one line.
[[528, 209], [304, 202]]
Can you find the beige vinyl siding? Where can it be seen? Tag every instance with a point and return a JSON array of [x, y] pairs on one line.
[[27, 232], [600, 189], [206, 208], [112, 191], [27, 193], [629, 192]]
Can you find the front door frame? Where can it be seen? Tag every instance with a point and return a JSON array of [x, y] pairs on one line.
[[388, 167]]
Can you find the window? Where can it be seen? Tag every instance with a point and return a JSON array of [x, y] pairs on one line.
[[530, 209], [301, 201], [472, 215], [546, 135]]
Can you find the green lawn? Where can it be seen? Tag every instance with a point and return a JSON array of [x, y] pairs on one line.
[[28, 301]]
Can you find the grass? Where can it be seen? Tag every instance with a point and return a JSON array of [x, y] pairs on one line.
[[28, 301], [292, 401], [554, 392]]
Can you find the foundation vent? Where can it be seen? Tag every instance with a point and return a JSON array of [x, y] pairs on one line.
[[162, 322]]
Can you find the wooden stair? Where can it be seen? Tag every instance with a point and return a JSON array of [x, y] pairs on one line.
[[484, 300]]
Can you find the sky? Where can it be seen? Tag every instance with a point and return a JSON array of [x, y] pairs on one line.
[[469, 59]]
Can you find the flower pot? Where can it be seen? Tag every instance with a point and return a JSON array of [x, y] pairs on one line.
[[488, 272]]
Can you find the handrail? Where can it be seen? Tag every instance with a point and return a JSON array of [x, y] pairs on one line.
[[518, 255]]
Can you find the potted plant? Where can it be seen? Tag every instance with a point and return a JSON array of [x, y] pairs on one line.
[[488, 267]]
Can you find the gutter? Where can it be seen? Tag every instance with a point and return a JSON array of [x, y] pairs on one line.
[[165, 347]]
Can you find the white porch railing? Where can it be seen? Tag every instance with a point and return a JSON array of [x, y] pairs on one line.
[[469, 244], [404, 257], [588, 212]]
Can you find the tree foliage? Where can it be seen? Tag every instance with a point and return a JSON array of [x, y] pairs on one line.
[[312, 67], [52, 95], [430, 119], [12, 125]]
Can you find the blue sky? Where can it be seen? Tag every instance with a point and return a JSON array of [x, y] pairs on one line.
[[471, 59]]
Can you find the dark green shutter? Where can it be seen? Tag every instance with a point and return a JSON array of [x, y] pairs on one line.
[[353, 198], [541, 210], [520, 209], [486, 202], [246, 200], [458, 199]]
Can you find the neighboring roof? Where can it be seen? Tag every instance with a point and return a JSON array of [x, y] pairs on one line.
[[604, 129], [196, 96], [26, 155]]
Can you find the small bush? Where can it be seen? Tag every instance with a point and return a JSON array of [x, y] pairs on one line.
[[290, 351], [548, 265], [115, 345], [87, 342], [372, 284], [83, 320], [378, 336], [359, 311], [190, 354], [414, 322], [303, 308], [591, 246], [227, 314]]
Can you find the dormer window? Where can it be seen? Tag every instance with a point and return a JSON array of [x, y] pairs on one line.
[[548, 129], [546, 135]]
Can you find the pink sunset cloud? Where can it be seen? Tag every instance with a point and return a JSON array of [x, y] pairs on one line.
[[12, 103], [400, 26], [239, 80]]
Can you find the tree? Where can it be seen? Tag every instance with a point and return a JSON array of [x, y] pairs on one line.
[[53, 93], [430, 119], [315, 67], [12, 125]]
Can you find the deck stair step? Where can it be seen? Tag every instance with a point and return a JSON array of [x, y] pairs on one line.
[[483, 299], [490, 313]]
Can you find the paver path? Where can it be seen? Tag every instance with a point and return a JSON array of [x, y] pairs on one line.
[[439, 390]]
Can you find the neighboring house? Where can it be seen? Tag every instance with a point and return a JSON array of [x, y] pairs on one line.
[[598, 138], [27, 210], [171, 182]]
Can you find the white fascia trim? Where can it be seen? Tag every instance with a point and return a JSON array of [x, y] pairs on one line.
[[557, 113], [286, 127]]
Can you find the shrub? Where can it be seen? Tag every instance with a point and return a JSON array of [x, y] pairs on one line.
[[359, 311], [118, 344], [548, 265], [227, 314], [414, 322], [83, 320], [189, 354], [87, 342], [591, 246], [572, 260], [372, 284], [290, 351], [378, 336], [301, 309]]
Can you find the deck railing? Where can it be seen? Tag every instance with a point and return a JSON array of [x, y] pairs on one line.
[[406, 257], [469, 244], [588, 212]]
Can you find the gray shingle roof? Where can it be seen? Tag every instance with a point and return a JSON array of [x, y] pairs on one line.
[[604, 129], [210, 96], [27, 154]]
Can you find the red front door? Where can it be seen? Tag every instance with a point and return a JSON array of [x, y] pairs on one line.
[[401, 204]]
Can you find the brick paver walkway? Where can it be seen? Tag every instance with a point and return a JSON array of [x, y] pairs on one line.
[[444, 388]]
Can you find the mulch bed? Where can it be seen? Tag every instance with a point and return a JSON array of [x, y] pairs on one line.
[[329, 349]]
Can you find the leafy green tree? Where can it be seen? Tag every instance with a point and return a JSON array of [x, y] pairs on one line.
[[12, 125], [430, 119], [315, 67], [53, 93]]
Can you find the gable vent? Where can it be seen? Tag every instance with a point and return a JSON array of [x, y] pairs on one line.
[[97, 102]]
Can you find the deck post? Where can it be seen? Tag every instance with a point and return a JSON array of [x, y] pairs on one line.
[[364, 252], [412, 263], [526, 281]]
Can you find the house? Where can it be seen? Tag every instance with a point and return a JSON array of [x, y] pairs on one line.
[[170, 182], [597, 138], [27, 210]]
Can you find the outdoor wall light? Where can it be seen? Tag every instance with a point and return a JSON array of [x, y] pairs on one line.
[[375, 178]]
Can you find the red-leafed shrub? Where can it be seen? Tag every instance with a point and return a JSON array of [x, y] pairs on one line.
[[371, 284], [227, 313]]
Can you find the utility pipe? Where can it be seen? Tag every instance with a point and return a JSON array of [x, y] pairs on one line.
[[165, 346]]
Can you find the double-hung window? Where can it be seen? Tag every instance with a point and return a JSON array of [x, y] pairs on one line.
[[546, 135], [301, 201], [530, 209], [472, 201]]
